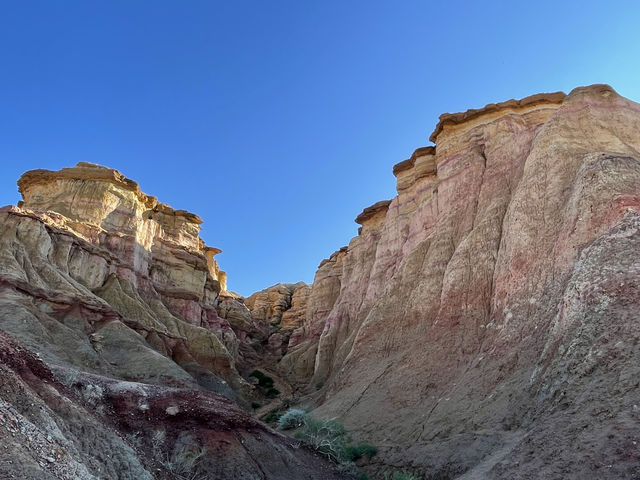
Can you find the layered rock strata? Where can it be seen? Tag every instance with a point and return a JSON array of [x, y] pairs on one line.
[[280, 310], [117, 340], [59, 425], [281, 305], [98, 275], [484, 321]]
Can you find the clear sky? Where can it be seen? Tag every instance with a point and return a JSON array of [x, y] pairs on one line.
[[279, 121]]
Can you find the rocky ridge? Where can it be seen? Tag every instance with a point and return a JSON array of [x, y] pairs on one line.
[[115, 321], [483, 323]]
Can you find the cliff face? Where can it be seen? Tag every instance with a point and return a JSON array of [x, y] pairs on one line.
[[485, 319], [483, 323], [90, 264], [130, 338]]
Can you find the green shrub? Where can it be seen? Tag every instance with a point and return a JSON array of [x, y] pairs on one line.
[[330, 437], [293, 418], [264, 381], [354, 452], [271, 417], [273, 393], [255, 405], [326, 436], [401, 476]]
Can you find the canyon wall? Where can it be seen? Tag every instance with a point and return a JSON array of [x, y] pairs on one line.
[[101, 276], [119, 343], [484, 322]]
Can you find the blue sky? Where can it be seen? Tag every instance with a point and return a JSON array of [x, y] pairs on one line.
[[278, 122]]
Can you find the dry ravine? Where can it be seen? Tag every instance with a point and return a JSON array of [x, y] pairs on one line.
[[484, 323]]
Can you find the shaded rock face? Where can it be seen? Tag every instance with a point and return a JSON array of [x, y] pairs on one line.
[[77, 426], [299, 362], [485, 321]]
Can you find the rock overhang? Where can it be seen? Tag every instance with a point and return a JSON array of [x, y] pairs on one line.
[[91, 172], [372, 211], [459, 118]]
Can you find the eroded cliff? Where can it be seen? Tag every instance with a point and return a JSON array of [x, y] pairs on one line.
[[484, 322], [121, 308]]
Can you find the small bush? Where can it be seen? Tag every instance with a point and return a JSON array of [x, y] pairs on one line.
[[273, 393], [255, 405], [271, 417], [326, 436], [184, 462], [330, 437], [293, 418], [400, 476], [354, 452], [263, 380]]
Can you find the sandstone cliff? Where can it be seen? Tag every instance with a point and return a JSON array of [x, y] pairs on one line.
[[98, 275], [482, 324], [130, 338], [485, 320]]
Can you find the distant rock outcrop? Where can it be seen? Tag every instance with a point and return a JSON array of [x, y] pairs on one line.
[[280, 305]]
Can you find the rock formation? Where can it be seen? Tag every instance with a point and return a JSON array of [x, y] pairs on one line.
[[54, 425], [484, 322], [281, 305], [116, 299], [99, 275]]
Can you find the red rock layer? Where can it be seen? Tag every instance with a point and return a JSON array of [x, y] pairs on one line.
[[75, 426], [484, 321]]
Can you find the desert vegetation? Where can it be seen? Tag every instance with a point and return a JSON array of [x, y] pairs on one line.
[[265, 384], [328, 437], [183, 461]]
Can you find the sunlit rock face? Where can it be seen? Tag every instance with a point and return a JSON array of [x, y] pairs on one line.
[[281, 309], [97, 274], [118, 343], [281, 305], [486, 319]]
